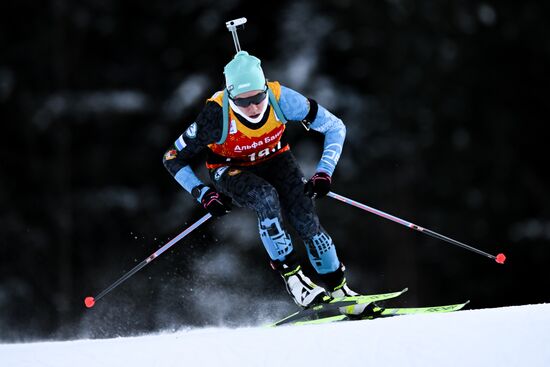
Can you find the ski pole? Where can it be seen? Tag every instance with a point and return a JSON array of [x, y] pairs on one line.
[[90, 301], [500, 258]]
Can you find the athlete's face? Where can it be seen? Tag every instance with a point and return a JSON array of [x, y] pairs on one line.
[[252, 110]]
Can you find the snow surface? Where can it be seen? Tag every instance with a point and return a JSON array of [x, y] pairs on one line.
[[510, 336]]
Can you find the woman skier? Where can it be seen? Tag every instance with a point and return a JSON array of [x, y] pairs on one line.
[[250, 164]]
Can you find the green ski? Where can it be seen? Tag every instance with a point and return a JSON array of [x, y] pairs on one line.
[[386, 312], [325, 309]]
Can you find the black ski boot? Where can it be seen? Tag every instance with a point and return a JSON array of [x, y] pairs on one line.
[[337, 287], [303, 291]]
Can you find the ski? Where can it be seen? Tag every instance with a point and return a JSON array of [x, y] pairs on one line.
[[389, 312], [331, 308], [383, 313]]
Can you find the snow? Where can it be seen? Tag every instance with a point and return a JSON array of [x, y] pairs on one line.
[[509, 336]]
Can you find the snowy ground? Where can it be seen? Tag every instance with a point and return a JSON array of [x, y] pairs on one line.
[[511, 336]]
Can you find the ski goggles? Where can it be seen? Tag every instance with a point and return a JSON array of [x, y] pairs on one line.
[[255, 99]]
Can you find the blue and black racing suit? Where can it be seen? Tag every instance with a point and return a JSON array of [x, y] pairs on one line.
[[255, 167]]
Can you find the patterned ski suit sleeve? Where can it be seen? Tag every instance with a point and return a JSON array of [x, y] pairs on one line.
[[296, 107], [205, 130]]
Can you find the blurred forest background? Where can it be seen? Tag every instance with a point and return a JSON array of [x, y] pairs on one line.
[[446, 106]]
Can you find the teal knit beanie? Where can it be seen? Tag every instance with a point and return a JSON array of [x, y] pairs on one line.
[[243, 74]]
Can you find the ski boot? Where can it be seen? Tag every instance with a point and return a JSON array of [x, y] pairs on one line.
[[303, 291], [337, 287]]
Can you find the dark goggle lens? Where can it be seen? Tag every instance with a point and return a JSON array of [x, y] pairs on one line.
[[255, 99]]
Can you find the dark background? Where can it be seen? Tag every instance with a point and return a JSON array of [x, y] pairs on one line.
[[446, 108]]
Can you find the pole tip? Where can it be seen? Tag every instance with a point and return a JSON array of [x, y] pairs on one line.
[[501, 258], [89, 302]]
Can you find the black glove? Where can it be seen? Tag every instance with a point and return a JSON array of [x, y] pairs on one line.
[[318, 185], [216, 203]]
